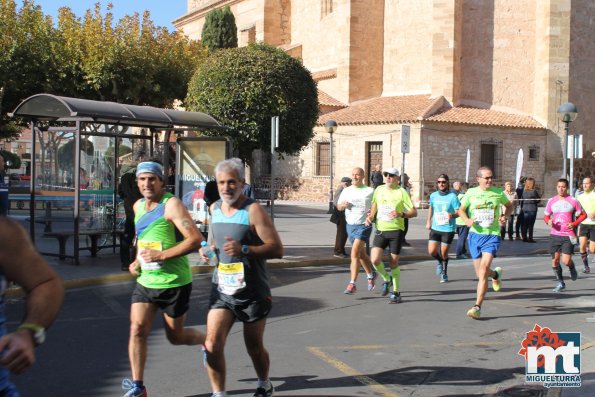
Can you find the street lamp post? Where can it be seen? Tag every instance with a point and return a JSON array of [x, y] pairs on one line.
[[331, 127], [568, 113]]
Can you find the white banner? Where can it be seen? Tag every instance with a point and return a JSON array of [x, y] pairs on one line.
[[468, 164], [519, 167]]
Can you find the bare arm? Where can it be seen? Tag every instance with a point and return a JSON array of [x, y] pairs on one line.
[[271, 246], [21, 263], [429, 220], [176, 212], [463, 215]]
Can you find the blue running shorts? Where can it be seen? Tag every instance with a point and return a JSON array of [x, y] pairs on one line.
[[359, 232], [479, 243]]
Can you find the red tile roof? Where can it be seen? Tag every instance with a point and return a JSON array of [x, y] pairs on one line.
[[412, 108], [324, 74], [325, 99], [475, 116]]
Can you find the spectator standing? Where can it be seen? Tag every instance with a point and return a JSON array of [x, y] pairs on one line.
[[509, 226], [128, 191], [519, 209], [376, 177], [341, 236], [462, 229], [20, 262], [4, 203], [248, 191], [531, 200]]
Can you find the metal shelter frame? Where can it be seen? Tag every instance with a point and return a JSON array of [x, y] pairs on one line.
[[48, 112]]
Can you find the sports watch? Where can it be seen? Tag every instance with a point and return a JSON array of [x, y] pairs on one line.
[[245, 249], [37, 332]]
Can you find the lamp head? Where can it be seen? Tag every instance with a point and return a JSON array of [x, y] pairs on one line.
[[330, 126], [568, 112]]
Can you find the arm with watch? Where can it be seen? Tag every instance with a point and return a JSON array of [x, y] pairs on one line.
[[271, 246], [44, 292]]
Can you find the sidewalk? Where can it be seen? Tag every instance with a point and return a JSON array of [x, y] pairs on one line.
[[308, 238]]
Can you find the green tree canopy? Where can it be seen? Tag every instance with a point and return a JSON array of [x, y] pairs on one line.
[[244, 87], [132, 61], [219, 30]]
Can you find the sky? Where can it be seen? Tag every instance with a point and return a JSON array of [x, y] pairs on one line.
[[163, 12]]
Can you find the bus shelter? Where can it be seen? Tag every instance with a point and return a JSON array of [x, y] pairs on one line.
[[79, 150]]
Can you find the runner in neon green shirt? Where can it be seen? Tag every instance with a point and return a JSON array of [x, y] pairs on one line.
[[480, 210], [587, 228], [164, 281]]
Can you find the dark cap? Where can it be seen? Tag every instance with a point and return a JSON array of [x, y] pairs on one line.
[[346, 179]]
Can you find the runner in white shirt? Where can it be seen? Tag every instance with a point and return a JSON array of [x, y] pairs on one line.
[[356, 201]]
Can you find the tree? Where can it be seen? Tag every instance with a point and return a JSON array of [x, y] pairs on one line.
[[15, 161], [219, 30], [131, 62], [244, 87]]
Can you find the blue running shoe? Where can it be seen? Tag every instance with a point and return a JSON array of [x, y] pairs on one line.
[[394, 297], [444, 278], [133, 390], [439, 269]]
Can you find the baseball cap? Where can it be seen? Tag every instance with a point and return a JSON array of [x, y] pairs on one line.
[[346, 179], [392, 171]]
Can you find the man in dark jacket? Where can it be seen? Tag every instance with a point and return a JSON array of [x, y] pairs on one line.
[[128, 190]]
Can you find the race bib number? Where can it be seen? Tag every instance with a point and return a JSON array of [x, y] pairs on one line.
[[441, 218], [358, 206], [384, 213], [150, 245], [484, 217], [230, 277]]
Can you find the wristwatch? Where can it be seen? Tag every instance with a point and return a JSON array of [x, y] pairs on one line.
[[245, 249], [37, 332]]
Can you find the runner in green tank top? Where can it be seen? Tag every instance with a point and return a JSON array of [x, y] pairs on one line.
[[164, 280]]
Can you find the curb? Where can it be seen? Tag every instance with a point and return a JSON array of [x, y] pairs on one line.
[[17, 292]]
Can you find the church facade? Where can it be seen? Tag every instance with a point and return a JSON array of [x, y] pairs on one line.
[[465, 79]]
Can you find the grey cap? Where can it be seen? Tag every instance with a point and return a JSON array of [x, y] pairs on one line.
[[346, 179]]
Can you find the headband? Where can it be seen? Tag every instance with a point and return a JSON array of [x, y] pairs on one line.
[[151, 167]]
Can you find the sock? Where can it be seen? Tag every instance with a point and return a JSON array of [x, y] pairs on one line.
[[558, 273], [396, 273], [139, 384], [495, 276], [382, 271], [352, 282], [265, 384], [219, 394], [585, 258], [370, 276], [445, 266], [438, 257]]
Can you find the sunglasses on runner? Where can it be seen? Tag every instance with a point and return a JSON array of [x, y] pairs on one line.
[[386, 174]]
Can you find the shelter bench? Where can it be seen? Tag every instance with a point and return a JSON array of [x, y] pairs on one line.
[[94, 235]]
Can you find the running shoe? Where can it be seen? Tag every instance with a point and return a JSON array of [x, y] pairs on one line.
[[586, 270], [394, 297], [351, 289], [372, 281], [133, 390], [497, 284], [386, 286], [573, 274], [262, 392], [474, 313], [560, 287], [444, 278], [439, 269]]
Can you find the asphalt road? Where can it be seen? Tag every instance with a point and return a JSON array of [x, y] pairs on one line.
[[325, 343]]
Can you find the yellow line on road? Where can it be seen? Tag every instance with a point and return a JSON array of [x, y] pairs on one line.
[[347, 370]]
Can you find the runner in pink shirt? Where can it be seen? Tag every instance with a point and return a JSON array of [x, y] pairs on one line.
[[563, 214]]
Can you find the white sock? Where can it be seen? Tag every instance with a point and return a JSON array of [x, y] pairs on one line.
[[265, 384]]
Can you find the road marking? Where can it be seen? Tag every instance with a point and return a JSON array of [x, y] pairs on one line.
[[352, 372]]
